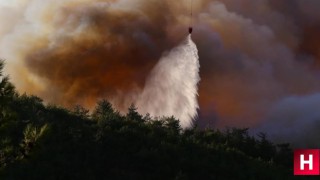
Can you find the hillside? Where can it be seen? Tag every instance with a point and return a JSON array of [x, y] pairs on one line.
[[41, 141]]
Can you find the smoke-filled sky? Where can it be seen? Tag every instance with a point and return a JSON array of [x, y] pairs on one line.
[[257, 57]]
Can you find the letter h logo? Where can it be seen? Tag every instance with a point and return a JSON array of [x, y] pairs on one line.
[[306, 162]]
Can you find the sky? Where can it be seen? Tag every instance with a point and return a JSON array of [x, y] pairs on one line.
[[259, 59]]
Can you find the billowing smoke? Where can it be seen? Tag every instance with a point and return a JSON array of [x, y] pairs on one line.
[[253, 54], [295, 119], [172, 87], [75, 52]]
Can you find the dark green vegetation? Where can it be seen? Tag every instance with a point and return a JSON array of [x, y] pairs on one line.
[[48, 142]]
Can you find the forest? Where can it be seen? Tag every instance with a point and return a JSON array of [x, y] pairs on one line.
[[45, 141]]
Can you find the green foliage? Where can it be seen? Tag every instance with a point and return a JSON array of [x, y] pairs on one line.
[[31, 137], [133, 114], [48, 142], [81, 112], [7, 92], [103, 111]]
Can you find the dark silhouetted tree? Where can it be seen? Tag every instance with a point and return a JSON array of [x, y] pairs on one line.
[[103, 110], [7, 91], [133, 114]]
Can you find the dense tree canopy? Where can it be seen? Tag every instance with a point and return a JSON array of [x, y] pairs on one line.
[[41, 141]]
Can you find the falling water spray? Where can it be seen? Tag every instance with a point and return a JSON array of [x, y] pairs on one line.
[[172, 87]]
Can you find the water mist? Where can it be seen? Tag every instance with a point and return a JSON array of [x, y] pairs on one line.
[[172, 87]]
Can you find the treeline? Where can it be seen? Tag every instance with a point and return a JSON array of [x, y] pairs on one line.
[[48, 142]]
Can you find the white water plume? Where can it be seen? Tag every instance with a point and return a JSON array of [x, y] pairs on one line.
[[172, 87]]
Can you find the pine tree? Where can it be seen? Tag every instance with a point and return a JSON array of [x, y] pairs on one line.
[[7, 90], [103, 111], [133, 114]]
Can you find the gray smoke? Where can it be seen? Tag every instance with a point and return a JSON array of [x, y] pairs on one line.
[[296, 120]]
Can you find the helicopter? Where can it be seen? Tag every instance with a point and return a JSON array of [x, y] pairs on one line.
[[190, 27]]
